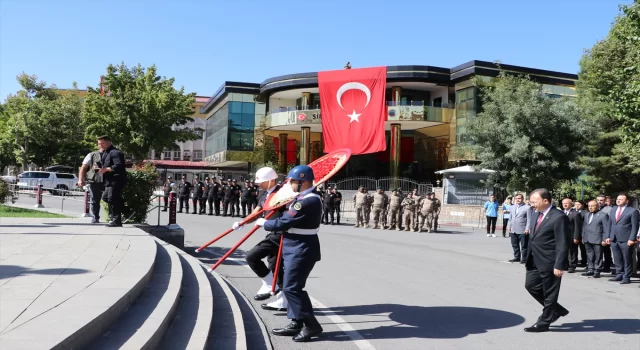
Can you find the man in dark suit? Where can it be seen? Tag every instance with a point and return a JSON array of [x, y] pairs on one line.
[[594, 231], [547, 258], [575, 227], [114, 175], [623, 228]]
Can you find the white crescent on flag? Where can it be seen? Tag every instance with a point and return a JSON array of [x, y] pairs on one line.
[[353, 86]]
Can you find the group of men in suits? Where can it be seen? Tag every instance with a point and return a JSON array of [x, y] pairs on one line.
[[554, 237]]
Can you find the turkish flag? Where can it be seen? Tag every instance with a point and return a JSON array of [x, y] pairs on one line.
[[353, 109]]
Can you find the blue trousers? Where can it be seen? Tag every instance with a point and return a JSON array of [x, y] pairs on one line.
[[296, 272]]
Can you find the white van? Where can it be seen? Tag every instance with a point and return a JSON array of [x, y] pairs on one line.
[[50, 181]]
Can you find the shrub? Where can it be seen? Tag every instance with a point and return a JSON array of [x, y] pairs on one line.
[[5, 193], [137, 193]]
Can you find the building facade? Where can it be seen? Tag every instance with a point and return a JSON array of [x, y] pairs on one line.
[[428, 109]]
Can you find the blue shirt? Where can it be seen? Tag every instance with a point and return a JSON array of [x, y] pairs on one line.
[[506, 211], [304, 214], [492, 209]]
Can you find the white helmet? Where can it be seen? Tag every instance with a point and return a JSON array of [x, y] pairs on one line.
[[265, 174]]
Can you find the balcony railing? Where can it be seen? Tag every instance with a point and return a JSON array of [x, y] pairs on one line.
[[388, 103], [298, 116]]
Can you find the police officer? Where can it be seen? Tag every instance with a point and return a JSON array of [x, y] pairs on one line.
[[184, 190], [235, 196], [328, 199], [394, 210], [198, 191], [360, 199], [300, 252], [408, 205], [337, 200], [254, 200], [203, 197], [212, 196], [228, 194], [248, 192]]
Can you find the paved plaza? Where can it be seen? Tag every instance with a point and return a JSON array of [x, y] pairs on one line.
[[378, 289]]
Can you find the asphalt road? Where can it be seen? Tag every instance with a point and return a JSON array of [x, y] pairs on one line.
[[449, 290]]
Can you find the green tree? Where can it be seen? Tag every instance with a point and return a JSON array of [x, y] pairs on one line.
[[7, 144], [528, 138], [45, 125], [608, 87], [140, 111]]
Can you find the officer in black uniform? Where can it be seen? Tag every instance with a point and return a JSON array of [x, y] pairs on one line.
[[235, 197], [228, 194], [248, 194], [329, 201], [212, 196], [198, 191], [254, 200], [337, 200], [184, 190], [300, 252], [114, 176], [203, 197]]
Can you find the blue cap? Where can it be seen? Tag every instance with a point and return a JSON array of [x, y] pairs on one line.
[[301, 173]]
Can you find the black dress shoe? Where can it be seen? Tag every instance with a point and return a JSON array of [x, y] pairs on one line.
[[292, 329], [264, 296], [558, 315], [271, 308], [588, 274], [514, 260], [572, 270], [537, 329], [615, 279], [312, 328], [625, 282], [596, 275]]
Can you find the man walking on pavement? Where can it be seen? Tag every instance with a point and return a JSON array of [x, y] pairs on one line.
[[89, 175], [114, 174]]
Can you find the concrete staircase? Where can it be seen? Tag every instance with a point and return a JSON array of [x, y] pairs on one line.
[[151, 296]]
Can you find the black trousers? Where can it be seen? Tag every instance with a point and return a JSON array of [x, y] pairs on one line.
[[583, 253], [267, 248], [623, 257], [184, 202], [236, 201], [195, 200], [245, 203], [228, 204], [504, 226], [95, 193], [520, 244], [608, 261], [544, 287], [594, 257], [335, 209], [113, 196], [166, 201], [210, 201], [326, 213], [491, 222], [203, 204]]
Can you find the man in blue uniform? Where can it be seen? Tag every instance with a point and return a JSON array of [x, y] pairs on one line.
[[300, 252]]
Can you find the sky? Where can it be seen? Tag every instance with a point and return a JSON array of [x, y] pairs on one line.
[[203, 43]]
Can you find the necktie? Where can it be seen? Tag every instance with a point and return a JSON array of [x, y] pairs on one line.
[[590, 218], [540, 217], [618, 214]]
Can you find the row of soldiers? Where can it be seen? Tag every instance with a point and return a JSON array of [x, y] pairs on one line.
[[412, 212], [229, 197]]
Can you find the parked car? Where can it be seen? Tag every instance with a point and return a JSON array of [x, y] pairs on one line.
[[58, 168], [51, 181]]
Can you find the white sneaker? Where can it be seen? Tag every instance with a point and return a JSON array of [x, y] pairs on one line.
[[493, 235], [266, 284], [488, 235]]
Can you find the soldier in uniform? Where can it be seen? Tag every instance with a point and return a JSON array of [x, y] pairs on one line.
[[198, 191], [203, 197], [379, 201], [408, 205], [385, 212], [360, 200], [367, 208], [248, 192], [228, 207], [394, 210], [337, 200], [212, 196], [426, 212], [417, 199], [268, 247], [254, 200], [436, 211], [184, 191], [300, 252], [235, 196]]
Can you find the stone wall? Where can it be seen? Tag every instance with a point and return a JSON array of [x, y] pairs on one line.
[[457, 214]]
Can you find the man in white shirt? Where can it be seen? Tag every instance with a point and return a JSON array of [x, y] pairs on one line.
[[90, 176]]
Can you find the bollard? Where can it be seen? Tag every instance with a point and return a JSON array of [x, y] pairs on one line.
[[172, 207], [39, 196], [86, 204]]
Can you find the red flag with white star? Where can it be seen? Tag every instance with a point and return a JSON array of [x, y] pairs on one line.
[[353, 109]]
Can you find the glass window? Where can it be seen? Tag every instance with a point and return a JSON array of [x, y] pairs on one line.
[[197, 155], [235, 107], [248, 108], [235, 120]]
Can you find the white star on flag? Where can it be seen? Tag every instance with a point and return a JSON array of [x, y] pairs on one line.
[[354, 117]]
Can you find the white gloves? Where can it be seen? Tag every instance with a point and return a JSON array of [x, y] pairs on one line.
[[236, 226], [260, 222]]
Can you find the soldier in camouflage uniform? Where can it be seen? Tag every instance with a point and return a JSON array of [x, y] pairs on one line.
[[379, 203], [360, 201], [418, 200], [408, 206], [367, 208], [385, 211], [394, 210], [436, 211], [426, 213]]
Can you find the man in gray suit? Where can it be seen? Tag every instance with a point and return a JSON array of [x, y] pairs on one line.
[[606, 250], [623, 221], [518, 227], [594, 231]]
